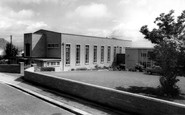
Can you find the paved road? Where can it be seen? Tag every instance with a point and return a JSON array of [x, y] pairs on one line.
[[15, 102]]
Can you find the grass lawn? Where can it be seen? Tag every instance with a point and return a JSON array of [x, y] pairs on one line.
[[113, 79]]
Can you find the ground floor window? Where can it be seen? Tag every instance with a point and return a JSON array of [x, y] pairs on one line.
[[102, 53], [86, 54], [77, 54], [95, 54], [108, 53], [68, 47], [53, 63]]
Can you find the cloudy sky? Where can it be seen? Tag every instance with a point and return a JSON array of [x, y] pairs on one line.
[[119, 18]]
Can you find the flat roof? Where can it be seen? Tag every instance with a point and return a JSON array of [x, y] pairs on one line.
[[139, 48], [82, 35]]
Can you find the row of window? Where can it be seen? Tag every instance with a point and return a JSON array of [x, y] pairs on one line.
[[53, 45], [53, 63], [95, 48]]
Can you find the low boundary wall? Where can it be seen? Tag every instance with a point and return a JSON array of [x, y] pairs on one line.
[[12, 68], [120, 100]]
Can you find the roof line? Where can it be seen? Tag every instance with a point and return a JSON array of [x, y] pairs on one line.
[[95, 37], [83, 35], [139, 47]]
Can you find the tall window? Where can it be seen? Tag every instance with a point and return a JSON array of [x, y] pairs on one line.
[[120, 50], [86, 54], [27, 49], [108, 53], [95, 54], [102, 53], [114, 51], [68, 53], [77, 54]]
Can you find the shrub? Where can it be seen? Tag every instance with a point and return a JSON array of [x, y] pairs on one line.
[[81, 69], [47, 69]]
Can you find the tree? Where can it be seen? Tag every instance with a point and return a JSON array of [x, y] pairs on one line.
[[169, 49], [10, 51]]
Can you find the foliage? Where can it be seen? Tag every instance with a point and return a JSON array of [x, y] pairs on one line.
[[169, 49], [47, 69], [10, 51]]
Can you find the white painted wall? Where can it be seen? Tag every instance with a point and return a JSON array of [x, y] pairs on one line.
[[91, 41]]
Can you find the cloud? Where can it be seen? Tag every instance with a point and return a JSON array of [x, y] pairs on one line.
[[22, 14], [97, 32], [36, 26], [92, 10], [12, 20], [17, 23], [32, 1]]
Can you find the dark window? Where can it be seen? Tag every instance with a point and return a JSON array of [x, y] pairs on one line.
[[108, 53], [53, 45], [68, 53], [27, 49], [102, 53], [95, 54], [77, 54], [86, 54]]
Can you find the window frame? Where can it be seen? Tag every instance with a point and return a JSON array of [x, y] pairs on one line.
[[108, 53], [102, 54], [77, 54], [87, 53], [69, 61], [95, 54]]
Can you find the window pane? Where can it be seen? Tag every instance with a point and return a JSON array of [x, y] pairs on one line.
[[95, 54], [102, 53], [87, 54], [108, 53], [77, 54], [67, 53]]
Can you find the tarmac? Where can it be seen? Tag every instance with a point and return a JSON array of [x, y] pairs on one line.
[[15, 102]]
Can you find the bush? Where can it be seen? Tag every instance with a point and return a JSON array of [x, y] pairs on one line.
[[80, 69], [47, 69]]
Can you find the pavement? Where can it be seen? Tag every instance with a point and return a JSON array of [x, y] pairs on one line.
[[15, 102], [51, 100]]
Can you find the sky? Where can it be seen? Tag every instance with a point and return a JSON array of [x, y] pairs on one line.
[[105, 18]]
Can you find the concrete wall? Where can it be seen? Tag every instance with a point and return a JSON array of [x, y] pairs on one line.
[[52, 38], [109, 97], [12, 68], [81, 40], [38, 46]]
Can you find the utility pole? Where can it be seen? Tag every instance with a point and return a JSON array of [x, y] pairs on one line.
[[10, 45], [11, 39]]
